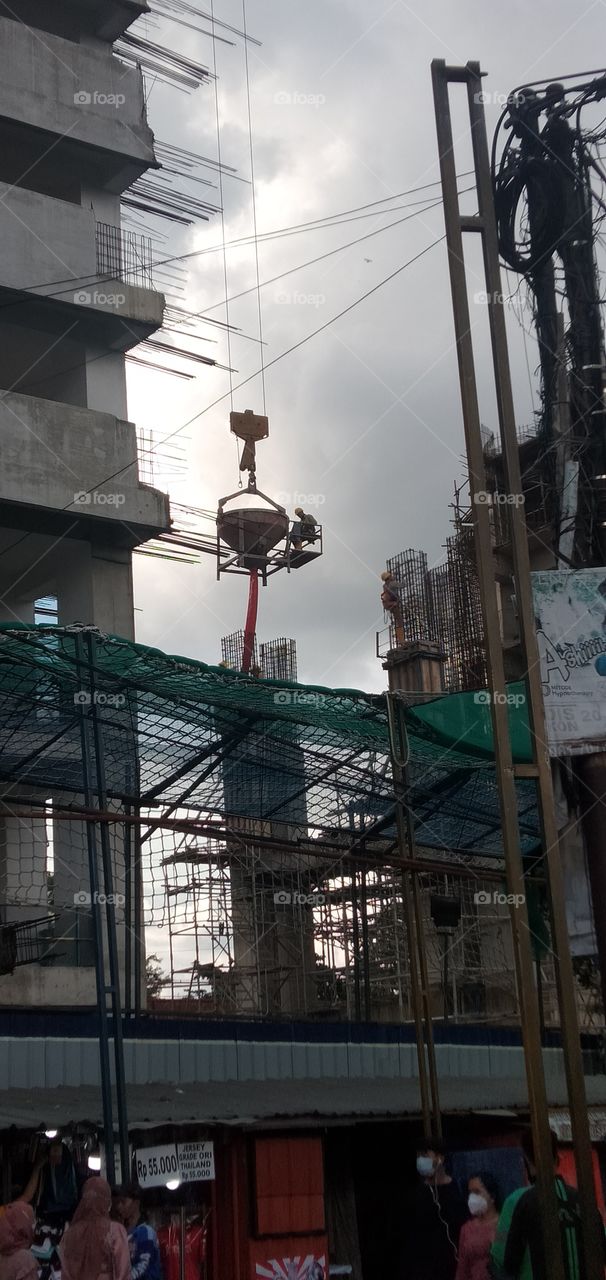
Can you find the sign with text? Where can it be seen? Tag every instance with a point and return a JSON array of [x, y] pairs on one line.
[[175, 1162], [570, 613], [157, 1165], [196, 1161]]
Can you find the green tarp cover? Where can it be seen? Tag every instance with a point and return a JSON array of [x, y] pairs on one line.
[[178, 732]]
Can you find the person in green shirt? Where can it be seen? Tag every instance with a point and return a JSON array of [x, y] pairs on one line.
[[525, 1238], [497, 1252]]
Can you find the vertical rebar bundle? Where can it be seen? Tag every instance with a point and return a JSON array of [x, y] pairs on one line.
[[442, 605]]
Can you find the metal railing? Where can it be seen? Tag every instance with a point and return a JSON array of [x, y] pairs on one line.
[[124, 255]]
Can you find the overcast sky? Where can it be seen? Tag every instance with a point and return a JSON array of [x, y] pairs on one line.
[[365, 421]]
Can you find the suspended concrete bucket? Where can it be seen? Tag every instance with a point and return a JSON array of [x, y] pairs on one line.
[[252, 532]]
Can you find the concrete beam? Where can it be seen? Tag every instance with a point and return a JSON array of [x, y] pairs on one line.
[[53, 452], [76, 93], [103, 19], [53, 240]]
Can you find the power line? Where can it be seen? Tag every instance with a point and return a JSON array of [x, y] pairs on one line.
[[222, 204], [254, 208], [289, 351], [281, 275], [280, 232]]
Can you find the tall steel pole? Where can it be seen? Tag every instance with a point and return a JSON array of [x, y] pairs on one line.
[[484, 225], [417, 956], [110, 914], [98, 941]]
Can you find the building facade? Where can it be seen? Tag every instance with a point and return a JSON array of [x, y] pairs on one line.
[[76, 294]]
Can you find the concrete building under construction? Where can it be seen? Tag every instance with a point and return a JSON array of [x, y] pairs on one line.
[[77, 294]]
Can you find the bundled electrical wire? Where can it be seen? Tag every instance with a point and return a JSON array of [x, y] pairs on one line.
[[549, 216], [540, 181]]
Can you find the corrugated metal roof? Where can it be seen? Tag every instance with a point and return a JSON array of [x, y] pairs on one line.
[[55, 1061], [256, 1102]]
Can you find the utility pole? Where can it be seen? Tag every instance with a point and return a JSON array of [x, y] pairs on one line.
[[484, 225], [554, 168], [102, 889], [413, 670]]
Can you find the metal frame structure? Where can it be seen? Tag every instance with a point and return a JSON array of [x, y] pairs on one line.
[[483, 224], [442, 606], [267, 562]]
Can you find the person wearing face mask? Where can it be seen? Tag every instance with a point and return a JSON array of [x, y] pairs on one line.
[[438, 1212], [478, 1234]]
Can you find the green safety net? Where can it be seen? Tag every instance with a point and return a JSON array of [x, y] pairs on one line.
[[175, 733], [463, 720]]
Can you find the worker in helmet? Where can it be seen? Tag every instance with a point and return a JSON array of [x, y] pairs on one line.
[[392, 604], [303, 529]]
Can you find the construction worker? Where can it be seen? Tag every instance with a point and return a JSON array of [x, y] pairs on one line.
[[303, 529], [392, 604]]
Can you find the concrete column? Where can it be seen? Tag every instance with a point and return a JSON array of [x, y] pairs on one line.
[[106, 374], [13, 609], [416, 667], [96, 588]]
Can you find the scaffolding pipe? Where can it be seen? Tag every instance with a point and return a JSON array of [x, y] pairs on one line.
[[93, 869], [110, 916]]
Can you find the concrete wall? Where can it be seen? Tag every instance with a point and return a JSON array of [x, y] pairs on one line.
[[51, 452], [34, 986], [44, 240], [49, 248], [40, 81]]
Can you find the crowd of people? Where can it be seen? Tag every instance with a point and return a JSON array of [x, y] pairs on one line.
[[480, 1236], [484, 1237], [103, 1234]]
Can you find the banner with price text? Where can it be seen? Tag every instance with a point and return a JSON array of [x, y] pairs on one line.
[[175, 1162]]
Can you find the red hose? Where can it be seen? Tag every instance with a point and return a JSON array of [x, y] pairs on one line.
[[250, 625]]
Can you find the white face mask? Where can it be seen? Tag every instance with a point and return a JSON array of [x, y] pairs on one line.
[[424, 1166], [477, 1204]]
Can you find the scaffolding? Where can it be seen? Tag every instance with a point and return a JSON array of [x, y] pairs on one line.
[[441, 606], [272, 659], [249, 828], [346, 950]]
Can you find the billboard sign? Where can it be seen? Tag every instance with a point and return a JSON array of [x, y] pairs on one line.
[[570, 615]]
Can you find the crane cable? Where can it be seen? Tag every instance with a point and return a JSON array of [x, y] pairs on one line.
[[254, 204]]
